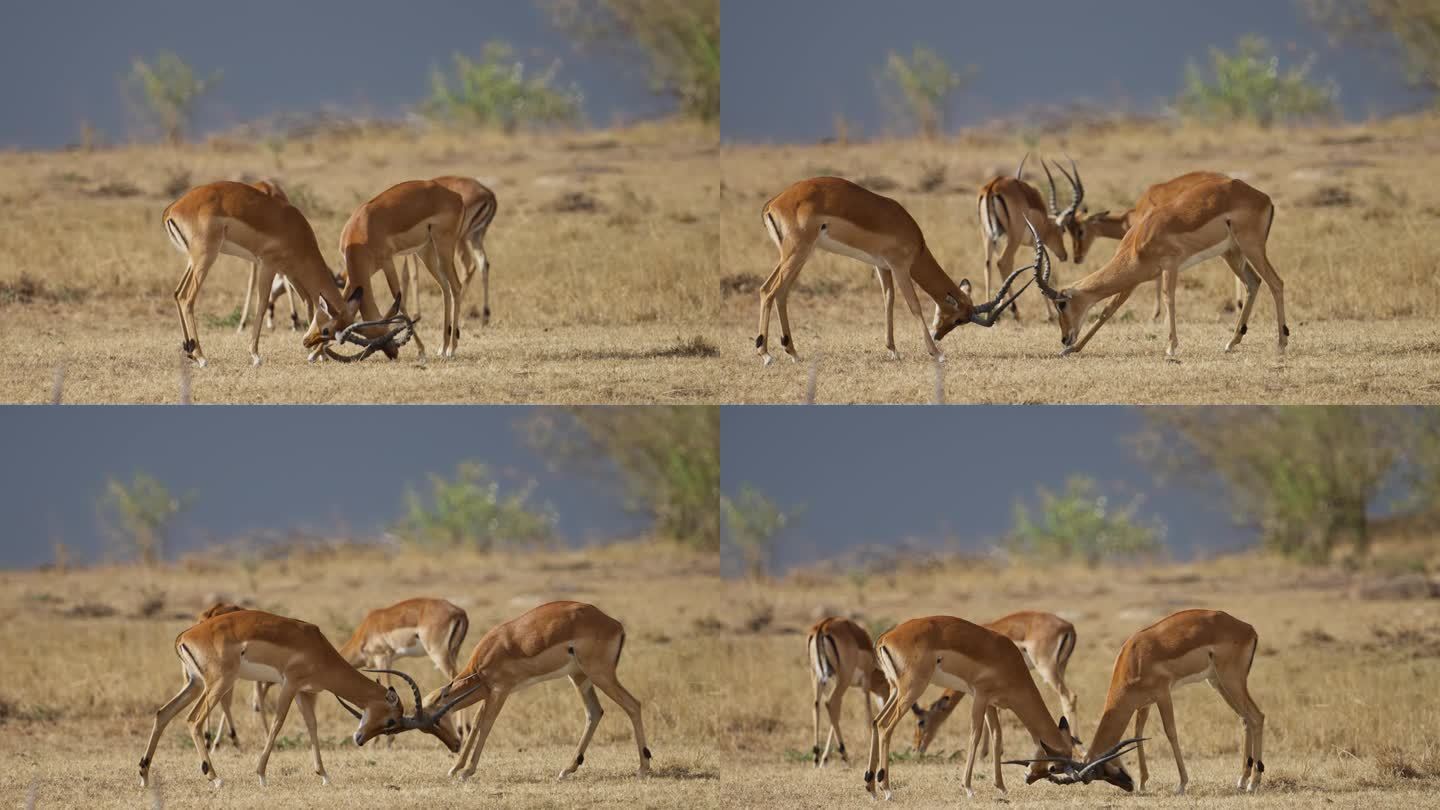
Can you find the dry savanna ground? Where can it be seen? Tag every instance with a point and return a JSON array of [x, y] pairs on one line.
[[603, 280], [1346, 685], [90, 657], [1355, 241]]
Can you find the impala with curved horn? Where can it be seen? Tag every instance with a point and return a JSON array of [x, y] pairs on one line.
[[261, 646], [241, 220], [1180, 649], [1005, 204], [1214, 217], [841, 656], [842, 217], [555, 640], [961, 655]]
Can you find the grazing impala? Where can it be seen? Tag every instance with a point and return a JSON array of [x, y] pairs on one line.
[[413, 628], [480, 207], [1182, 648], [841, 217], [416, 216], [960, 655], [295, 654], [240, 220], [278, 286], [1211, 218], [842, 652], [555, 640], [1047, 642]]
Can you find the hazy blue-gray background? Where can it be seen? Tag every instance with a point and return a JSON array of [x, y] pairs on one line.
[[787, 68], [881, 475], [60, 60], [266, 468]]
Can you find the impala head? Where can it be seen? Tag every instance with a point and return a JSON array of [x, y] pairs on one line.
[[927, 721], [1072, 766], [327, 324], [385, 714], [1069, 306], [1072, 220], [957, 310]]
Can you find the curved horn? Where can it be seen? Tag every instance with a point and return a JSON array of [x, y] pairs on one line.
[[422, 720], [1042, 265], [414, 687], [1076, 187], [988, 312], [1020, 172], [1054, 199], [1117, 750], [348, 707]]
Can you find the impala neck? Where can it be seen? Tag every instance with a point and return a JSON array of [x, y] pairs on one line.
[[931, 277], [1111, 728], [1030, 708], [351, 651], [319, 276], [1121, 273], [349, 683]]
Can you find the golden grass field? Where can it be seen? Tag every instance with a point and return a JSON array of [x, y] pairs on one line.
[[1354, 239], [603, 279], [1347, 686], [80, 690]]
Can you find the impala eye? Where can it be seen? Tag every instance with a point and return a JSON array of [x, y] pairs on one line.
[[390, 723]]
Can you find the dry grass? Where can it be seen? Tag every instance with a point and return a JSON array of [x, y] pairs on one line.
[[87, 274], [1354, 239], [80, 689], [1349, 720]]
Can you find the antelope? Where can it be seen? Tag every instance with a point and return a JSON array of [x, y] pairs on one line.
[[413, 628], [416, 216], [1045, 640], [1180, 649], [262, 646], [957, 654], [1005, 203], [240, 220], [480, 207], [557, 639], [1115, 226], [262, 689], [1214, 217], [841, 651], [277, 287], [841, 217]]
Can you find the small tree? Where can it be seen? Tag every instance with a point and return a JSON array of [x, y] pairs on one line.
[[753, 521], [138, 515], [470, 511], [1248, 85], [497, 92], [924, 84], [1080, 523], [169, 92], [1413, 25], [679, 38]]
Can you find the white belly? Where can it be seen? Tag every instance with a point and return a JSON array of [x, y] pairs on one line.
[[840, 248], [252, 671], [949, 681], [1208, 253], [231, 249], [570, 668]]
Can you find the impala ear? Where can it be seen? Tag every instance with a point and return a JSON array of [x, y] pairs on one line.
[[915, 707], [391, 696], [965, 285], [952, 301], [357, 293], [1064, 724]]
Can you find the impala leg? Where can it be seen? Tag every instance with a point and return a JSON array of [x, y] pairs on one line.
[[199, 718], [1169, 276], [1167, 719], [226, 720], [1159, 300], [438, 259], [245, 303], [607, 683], [992, 717], [467, 743], [593, 712], [907, 290], [985, 740], [866, 696], [1055, 679], [1254, 249], [306, 702], [1005, 264], [270, 295], [1230, 682], [481, 731], [887, 290], [257, 704], [832, 710], [1142, 715], [409, 304], [192, 689], [906, 694], [872, 764], [444, 247], [1249, 282], [484, 259], [1110, 309], [282, 707], [466, 254], [978, 709], [294, 309], [791, 263], [819, 695], [263, 279], [190, 290]]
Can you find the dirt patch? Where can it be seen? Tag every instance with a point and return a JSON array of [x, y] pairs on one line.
[[1327, 197], [1395, 761], [89, 610], [573, 202], [27, 290]]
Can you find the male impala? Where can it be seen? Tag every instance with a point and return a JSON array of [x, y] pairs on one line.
[[480, 207], [1213, 217], [416, 216], [262, 646], [960, 655], [1005, 204], [278, 286], [841, 217], [842, 652], [1045, 640], [240, 220], [557, 639], [1182, 648]]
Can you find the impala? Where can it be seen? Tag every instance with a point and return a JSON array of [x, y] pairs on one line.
[[1115, 226], [1182, 648], [296, 655], [960, 655], [413, 628], [416, 216], [557, 639], [278, 286], [240, 220], [1005, 205], [841, 217], [262, 689], [1215, 217], [480, 207], [841, 651], [1045, 640]]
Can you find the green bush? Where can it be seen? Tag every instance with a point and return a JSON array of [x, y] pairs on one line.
[[497, 92], [168, 92], [753, 521], [1249, 85], [1080, 523], [470, 511], [925, 85], [138, 515]]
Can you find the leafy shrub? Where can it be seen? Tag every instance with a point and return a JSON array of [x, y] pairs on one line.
[[166, 91], [138, 515], [1248, 85], [470, 511], [496, 92], [925, 84], [753, 521], [1080, 523]]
